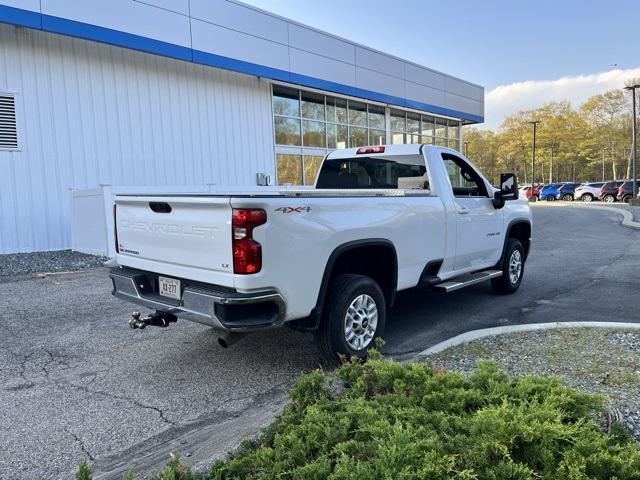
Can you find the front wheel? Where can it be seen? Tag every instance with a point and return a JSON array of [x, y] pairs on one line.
[[587, 197], [354, 315], [512, 266]]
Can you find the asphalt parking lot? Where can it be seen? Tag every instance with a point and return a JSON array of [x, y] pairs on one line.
[[76, 383]]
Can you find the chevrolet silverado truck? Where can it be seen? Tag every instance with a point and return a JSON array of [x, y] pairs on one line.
[[328, 259]]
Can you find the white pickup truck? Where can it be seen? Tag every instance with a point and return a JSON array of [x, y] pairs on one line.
[[328, 259]]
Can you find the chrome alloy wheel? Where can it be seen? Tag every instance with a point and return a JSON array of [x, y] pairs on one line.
[[515, 266], [361, 322]]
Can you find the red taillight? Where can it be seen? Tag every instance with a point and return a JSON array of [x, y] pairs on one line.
[[115, 228], [621, 190], [247, 253], [602, 189], [378, 149]]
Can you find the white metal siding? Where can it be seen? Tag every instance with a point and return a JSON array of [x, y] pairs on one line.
[[91, 114]]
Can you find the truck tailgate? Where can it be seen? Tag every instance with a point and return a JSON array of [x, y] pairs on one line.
[[186, 236]]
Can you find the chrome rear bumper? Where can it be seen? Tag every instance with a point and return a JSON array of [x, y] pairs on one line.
[[218, 307]]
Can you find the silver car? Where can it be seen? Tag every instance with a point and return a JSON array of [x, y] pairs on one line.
[[588, 192]]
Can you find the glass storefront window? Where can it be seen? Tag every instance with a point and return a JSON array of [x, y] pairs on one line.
[[453, 129], [336, 110], [342, 137], [287, 131], [357, 114], [376, 117], [312, 106], [286, 101], [313, 134], [397, 137], [357, 137], [441, 128], [311, 166], [377, 137], [289, 169], [308, 124], [398, 121]]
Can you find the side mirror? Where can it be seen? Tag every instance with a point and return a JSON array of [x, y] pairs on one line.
[[508, 186]]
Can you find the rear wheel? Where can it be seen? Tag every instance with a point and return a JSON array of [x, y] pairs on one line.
[[626, 199], [354, 315], [608, 198], [512, 266], [550, 198], [568, 197], [587, 197]]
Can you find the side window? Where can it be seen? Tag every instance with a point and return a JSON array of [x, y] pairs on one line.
[[465, 181]]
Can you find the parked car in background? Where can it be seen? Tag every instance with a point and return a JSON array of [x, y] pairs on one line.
[[549, 192], [566, 191], [588, 192], [625, 191], [530, 193], [609, 191]]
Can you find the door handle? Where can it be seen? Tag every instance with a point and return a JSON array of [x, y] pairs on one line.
[[463, 211]]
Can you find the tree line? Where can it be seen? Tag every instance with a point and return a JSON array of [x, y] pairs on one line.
[[590, 143]]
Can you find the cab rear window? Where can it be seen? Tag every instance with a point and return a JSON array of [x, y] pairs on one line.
[[380, 171]]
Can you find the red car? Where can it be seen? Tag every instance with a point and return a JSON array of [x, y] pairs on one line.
[[528, 192]]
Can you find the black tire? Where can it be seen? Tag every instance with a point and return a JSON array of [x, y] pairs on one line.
[[505, 284], [568, 197], [550, 198], [331, 336], [587, 197], [626, 199], [608, 198]]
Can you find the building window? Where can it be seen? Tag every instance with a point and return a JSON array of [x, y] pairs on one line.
[[8, 124], [308, 125]]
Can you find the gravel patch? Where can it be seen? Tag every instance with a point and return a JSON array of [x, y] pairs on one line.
[[46, 262], [603, 362]]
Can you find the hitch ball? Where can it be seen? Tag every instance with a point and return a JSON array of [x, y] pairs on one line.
[[136, 322]]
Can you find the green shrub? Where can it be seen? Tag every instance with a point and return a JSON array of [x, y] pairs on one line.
[[395, 421], [385, 420]]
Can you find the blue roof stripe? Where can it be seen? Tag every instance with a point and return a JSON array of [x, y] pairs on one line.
[[48, 23], [22, 18]]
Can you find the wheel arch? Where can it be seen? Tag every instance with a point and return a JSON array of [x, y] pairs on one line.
[[350, 258], [521, 230]]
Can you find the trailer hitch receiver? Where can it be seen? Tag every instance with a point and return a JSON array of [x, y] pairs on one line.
[[158, 319]]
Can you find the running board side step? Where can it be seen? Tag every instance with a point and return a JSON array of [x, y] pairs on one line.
[[467, 279]]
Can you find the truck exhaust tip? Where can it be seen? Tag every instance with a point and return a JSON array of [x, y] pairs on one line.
[[225, 341]]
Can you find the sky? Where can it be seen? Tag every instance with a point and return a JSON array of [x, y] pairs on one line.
[[524, 52]]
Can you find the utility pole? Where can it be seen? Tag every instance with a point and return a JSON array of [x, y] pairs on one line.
[[603, 150], [553, 146], [633, 143], [533, 153]]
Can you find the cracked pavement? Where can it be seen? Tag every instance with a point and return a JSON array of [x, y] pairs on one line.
[[76, 383]]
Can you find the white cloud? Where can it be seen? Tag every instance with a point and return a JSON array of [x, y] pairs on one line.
[[507, 99]]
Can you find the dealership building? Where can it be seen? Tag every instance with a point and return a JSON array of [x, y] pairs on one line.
[[188, 95]]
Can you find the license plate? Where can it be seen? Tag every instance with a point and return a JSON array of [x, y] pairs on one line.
[[169, 287]]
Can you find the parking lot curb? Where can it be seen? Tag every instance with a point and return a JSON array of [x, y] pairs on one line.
[[627, 217], [530, 327]]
